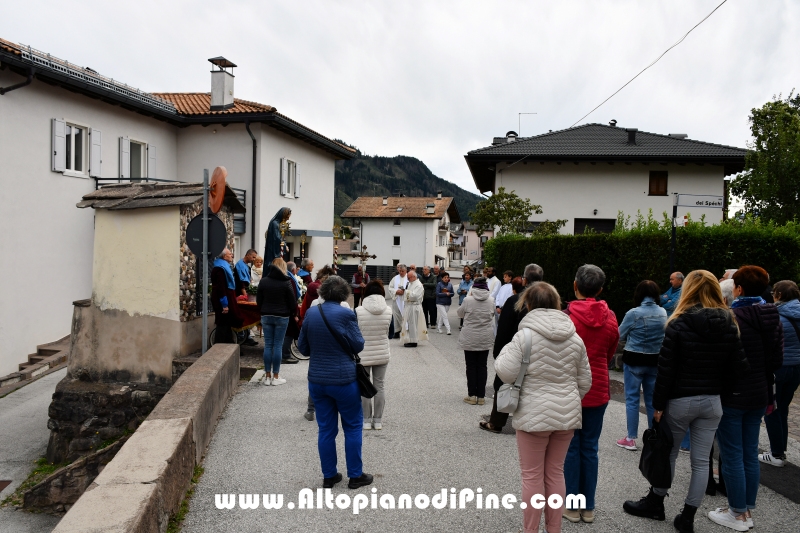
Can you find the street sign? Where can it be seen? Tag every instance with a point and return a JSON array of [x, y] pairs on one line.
[[705, 201], [217, 236]]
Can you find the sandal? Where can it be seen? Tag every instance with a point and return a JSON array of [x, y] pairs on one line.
[[487, 426]]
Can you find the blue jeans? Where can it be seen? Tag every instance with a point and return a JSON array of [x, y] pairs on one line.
[[737, 435], [686, 443], [787, 379], [274, 328], [580, 466], [636, 377], [331, 402]]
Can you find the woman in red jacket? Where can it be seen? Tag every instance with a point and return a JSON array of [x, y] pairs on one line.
[[597, 326]]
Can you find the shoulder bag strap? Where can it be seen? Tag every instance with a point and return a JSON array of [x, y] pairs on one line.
[[526, 358], [345, 346]]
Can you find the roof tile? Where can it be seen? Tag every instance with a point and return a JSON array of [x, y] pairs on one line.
[[200, 104], [412, 207]]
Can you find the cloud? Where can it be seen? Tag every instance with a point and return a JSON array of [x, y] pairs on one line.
[[437, 79]]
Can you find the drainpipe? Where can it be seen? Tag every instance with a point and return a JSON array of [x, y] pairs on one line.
[[4, 90], [253, 193]]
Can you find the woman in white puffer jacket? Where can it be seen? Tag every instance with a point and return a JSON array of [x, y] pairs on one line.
[[374, 317], [549, 408]]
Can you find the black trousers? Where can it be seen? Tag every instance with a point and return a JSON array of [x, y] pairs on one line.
[[356, 299], [476, 372], [497, 419], [429, 311]]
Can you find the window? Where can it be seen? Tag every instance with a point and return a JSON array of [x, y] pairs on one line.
[[484, 238], [397, 222], [395, 262], [290, 178], [70, 153], [138, 160], [658, 183], [441, 240], [396, 240]]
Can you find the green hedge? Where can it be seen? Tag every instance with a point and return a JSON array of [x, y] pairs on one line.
[[627, 257]]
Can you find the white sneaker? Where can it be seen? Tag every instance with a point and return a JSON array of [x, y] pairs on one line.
[[438, 330], [278, 381], [367, 426], [267, 381], [768, 458], [377, 425], [750, 524], [723, 517]]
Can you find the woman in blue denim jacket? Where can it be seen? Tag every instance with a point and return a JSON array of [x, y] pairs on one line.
[[643, 330]]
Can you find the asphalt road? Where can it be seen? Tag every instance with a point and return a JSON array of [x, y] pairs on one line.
[[430, 442], [23, 440]]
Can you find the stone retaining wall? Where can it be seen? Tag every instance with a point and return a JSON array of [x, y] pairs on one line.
[[144, 484]]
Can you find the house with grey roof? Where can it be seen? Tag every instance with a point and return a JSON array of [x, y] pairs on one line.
[[589, 173]]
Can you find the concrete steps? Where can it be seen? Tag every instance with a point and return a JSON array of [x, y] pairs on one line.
[[48, 357]]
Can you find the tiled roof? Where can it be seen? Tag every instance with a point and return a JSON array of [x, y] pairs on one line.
[[200, 104], [8, 46], [139, 195], [599, 140], [409, 207]]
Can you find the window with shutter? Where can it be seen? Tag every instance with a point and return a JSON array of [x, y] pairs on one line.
[[124, 157], [658, 183], [96, 153], [297, 180], [59, 156]]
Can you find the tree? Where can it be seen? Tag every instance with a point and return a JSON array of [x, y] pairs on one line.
[[770, 184], [511, 214]]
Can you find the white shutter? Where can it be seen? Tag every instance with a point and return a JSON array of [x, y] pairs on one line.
[[297, 180], [284, 175], [96, 153], [151, 161], [59, 157], [124, 157]]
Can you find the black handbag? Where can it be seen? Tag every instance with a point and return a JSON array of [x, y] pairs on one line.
[[365, 386], [654, 462]]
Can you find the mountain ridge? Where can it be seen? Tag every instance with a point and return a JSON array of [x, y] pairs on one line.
[[366, 175]]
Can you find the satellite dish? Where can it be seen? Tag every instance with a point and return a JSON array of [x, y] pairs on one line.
[[217, 235], [216, 189]]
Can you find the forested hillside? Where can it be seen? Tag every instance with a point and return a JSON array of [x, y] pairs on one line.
[[366, 175]]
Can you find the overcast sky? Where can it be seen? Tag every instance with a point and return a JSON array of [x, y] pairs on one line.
[[436, 79]]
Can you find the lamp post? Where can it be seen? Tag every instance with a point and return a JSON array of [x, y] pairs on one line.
[[337, 232]]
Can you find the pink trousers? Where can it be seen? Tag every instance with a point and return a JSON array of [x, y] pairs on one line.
[[541, 458]]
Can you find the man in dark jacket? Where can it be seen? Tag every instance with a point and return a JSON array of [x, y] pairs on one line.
[[507, 327], [429, 281], [359, 281]]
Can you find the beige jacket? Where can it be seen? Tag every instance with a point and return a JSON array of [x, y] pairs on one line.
[[478, 312], [557, 378]]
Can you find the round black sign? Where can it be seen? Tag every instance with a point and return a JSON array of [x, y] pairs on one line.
[[217, 235]]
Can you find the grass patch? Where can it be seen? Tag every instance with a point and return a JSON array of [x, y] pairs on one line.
[[41, 471], [176, 520]]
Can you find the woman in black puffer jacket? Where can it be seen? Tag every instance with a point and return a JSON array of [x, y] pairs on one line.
[[701, 353], [746, 401]]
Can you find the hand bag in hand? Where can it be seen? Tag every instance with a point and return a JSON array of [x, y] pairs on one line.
[[508, 394], [365, 386], [654, 462]]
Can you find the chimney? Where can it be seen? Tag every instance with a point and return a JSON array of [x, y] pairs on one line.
[[385, 200], [438, 195], [221, 84], [511, 136], [631, 135], [613, 123], [430, 209]]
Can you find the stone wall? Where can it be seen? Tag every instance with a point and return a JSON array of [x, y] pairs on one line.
[[189, 263]]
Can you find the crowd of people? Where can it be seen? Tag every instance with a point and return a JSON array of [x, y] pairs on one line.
[[710, 358]]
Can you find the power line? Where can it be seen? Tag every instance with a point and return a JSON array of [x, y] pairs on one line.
[[651, 64]]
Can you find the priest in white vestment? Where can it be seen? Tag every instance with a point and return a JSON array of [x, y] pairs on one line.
[[396, 290], [414, 327]]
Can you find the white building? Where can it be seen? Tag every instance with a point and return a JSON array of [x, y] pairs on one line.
[[65, 129], [589, 173], [403, 229]]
